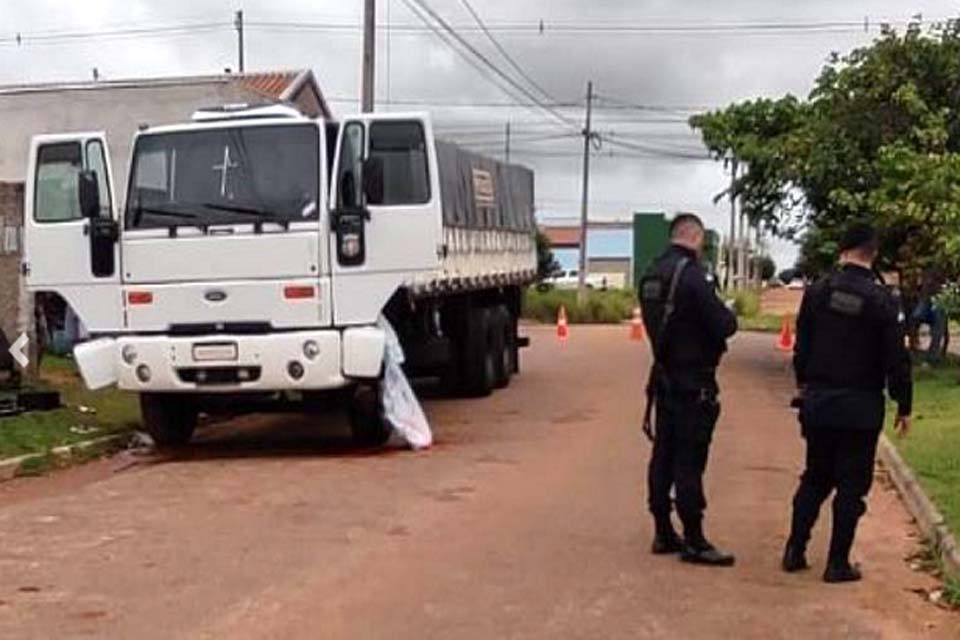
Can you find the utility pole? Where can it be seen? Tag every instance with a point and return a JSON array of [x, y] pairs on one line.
[[744, 250], [732, 236], [758, 238], [238, 23], [369, 60], [587, 139], [506, 144]]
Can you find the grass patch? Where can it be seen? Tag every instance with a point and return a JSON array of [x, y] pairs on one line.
[[933, 449], [113, 411], [765, 322], [951, 592], [746, 302], [601, 307]]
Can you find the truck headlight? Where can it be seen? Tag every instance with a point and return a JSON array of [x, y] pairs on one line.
[[129, 353], [311, 349], [143, 373]]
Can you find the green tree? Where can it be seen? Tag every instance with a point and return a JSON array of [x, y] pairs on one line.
[[766, 266], [877, 139], [547, 265]]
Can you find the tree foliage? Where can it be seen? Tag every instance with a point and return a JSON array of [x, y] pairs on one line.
[[547, 265], [877, 139], [766, 267]]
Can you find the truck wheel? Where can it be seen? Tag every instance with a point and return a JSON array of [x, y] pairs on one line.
[[504, 347], [480, 361], [368, 427], [169, 418]]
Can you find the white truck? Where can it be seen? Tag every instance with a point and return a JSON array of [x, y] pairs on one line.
[[257, 249]]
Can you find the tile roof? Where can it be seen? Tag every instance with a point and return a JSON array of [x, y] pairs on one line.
[[563, 236], [269, 84]]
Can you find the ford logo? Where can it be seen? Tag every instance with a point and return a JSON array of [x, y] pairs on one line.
[[215, 295]]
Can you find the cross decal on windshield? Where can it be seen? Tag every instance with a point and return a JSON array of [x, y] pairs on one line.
[[223, 168]]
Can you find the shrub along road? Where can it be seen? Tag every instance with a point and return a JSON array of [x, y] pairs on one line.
[[525, 521]]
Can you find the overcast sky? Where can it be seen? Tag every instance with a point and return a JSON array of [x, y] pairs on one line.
[[670, 70]]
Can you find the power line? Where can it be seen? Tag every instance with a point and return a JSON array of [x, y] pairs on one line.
[[465, 105], [643, 148], [621, 104], [422, 4], [443, 37], [54, 37], [517, 28], [492, 104], [580, 27], [503, 52]]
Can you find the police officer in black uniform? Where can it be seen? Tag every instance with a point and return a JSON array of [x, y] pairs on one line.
[[688, 327], [850, 345]]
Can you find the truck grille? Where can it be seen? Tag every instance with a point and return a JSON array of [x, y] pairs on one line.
[[206, 328], [203, 376]]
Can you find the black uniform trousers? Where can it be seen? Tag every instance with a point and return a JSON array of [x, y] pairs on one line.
[[684, 430], [837, 459]]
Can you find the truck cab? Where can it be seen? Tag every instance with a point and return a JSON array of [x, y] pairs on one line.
[[252, 251]]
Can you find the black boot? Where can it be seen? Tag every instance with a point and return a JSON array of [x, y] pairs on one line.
[[665, 544], [702, 552], [839, 568], [841, 571], [794, 558], [666, 540], [696, 548]]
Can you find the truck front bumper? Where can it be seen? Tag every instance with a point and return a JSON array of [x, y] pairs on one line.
[[308, 360]]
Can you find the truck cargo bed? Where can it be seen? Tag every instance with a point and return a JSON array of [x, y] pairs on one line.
[[488, 223]]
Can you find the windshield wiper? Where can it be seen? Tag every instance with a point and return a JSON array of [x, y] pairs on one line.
[[168, 213], [233, 208], [263, 215]]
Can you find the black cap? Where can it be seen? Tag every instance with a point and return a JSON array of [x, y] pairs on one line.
[[860, 235]]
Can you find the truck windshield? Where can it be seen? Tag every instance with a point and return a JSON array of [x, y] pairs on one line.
[[225, 176]]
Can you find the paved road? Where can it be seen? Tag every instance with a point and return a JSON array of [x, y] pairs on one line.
[[525, 521]]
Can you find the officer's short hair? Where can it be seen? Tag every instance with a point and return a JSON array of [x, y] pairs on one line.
[[684, 223], [860, 236]]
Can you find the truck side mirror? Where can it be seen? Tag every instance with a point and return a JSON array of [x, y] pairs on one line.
[[88, 188], [373, 180]]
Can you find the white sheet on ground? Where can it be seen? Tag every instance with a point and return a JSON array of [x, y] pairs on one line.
[[401, 408]]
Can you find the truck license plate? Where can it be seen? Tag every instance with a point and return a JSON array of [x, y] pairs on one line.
[[212, 351]]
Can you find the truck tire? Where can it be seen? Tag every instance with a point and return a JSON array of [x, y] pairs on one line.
[[504, 346], [480, 361], [368, 427], [169, 418]]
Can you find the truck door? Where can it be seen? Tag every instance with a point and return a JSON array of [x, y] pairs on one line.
[[385, 214], [70, 227]]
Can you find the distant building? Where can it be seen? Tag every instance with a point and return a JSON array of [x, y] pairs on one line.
[[609, 249], [621, 251]]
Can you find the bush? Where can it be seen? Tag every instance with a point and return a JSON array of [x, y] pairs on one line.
[[746, 303], [601, 307]]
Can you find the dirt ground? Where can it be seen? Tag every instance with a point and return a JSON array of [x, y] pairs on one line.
[[525, 521], [781, 301]]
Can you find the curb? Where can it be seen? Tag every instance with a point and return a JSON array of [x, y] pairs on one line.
[[11, 467], [928, 517]]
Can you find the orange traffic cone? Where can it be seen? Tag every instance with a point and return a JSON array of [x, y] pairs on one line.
[[563, 331], [786, 339], [636, 326]]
